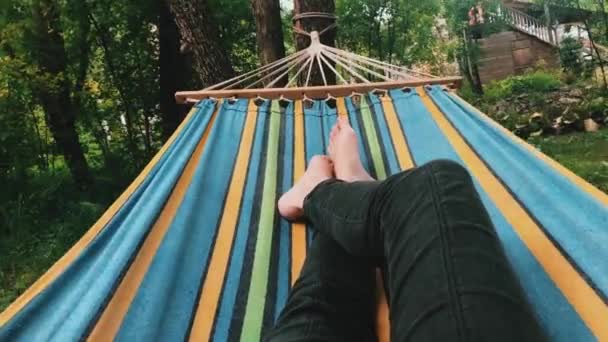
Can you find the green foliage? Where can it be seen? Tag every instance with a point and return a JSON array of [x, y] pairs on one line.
[[398, 31], [237, 32], [530, 83], [570, 54], [113, 72], [41, 217]]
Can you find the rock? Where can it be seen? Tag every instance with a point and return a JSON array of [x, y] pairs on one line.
[[569, 100], [591, 126], [576, 93]]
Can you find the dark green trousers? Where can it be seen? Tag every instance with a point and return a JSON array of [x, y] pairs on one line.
[[446, 275]]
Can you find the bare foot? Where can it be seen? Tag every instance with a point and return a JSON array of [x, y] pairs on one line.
[[291, 204], [344, 151]]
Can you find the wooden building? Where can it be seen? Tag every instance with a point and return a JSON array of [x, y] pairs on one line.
[[532, 34]]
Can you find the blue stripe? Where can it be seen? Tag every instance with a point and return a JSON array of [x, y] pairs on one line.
[[165, 302], [65, 309], [284, 268], [573, 218], [233, 279], [556, 314], [314, 129], [329, 120]]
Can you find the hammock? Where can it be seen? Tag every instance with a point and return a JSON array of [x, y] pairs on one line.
[[195, 249]]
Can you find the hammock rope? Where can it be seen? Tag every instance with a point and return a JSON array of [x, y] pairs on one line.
[[353, 72]]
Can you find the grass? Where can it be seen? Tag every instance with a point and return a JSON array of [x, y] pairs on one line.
[[586, 154], [41, 217]]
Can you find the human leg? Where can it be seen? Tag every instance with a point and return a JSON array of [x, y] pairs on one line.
[[447, 275], [332, 300]]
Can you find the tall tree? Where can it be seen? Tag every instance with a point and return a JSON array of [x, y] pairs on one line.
[[54, 89], [316, 23], [174, 72], [269, 30], [200, 35], [456, 12], [400, 31]]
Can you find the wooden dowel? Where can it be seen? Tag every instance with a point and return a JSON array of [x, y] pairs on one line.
[[320, 92]]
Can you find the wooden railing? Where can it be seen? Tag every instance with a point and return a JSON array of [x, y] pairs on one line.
[[528, 24]]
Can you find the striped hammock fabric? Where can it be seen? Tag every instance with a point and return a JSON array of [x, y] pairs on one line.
[[195, 249]]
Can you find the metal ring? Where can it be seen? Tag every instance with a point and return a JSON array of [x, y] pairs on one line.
[[307, 15]]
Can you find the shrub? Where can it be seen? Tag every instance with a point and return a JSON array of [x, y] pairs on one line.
[[570, 55], [531, 83]]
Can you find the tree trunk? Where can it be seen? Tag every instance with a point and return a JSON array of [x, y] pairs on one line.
[[175, 73], [471, 65], [120, 82], [594, 47], [602, 8], [269, 33], [199, 33], [54, 93], [316, 24]]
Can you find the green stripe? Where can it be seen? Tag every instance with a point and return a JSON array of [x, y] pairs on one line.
[[372, 139], [256, 299]]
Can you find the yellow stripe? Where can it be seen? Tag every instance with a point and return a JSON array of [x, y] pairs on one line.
[[579, 293], [109, 323], [403, 153], [581, 183], [298, 232], [75, 251], [341, 107], [212, 287]]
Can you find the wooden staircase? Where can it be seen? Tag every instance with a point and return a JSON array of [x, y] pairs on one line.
[[528, 24]]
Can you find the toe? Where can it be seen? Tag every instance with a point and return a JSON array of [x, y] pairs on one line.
[[318, 160], [333, 133]]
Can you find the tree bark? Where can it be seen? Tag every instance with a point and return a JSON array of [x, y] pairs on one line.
[[269, 32], [200, 34], [54, 92], [175, 72], [316, 24]]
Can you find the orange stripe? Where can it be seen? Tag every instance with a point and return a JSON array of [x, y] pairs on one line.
[[401, 148], [341, 107], [212, 287], [581, 183], [75, 251], [383, 324], [298, 233], [109, 323], [579, 293]]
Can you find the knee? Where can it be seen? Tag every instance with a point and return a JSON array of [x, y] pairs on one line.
[[418, 178], [447, 167]]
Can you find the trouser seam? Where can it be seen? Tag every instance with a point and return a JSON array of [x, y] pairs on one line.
[[446, 253]]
